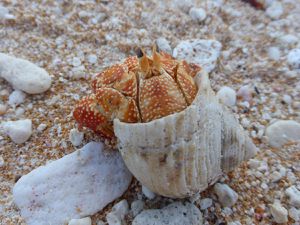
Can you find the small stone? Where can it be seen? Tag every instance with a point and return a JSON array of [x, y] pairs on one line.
[[113, 219], [19, 111], [148, 193], [136, 207], [294, 214], [199, 51], [234, 223], [279, 213], [245, 93], [81, 183], [121, 208], [1, 161], [197, 14], [287, 99], [176, 213], [164, 45], [227, 211], [92, 59], [282, 132], [293, 58], [226, 196], [245, 123], [264, 186], [83, 221], [100, 222], [3, 11], [19, 131], [227, 96], [184, 5], [75, 137], [16, 98], [24, 75], [118, 212], [254, 163], [294, 196], [76, 62], [275, 10], [41, 127], [288, 40], [275, 176], [3, 109], [205, 203], [274, 53]]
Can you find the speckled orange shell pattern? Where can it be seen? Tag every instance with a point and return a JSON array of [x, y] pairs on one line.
[[138, 90]]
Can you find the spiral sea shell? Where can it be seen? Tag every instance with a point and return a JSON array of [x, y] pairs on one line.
[[183, 153]]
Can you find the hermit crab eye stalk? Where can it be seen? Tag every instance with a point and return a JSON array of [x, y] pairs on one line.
[[139, 53]]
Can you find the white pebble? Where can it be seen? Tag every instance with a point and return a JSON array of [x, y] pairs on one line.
[[205, 203], [184, 5], [245, 123], [279, 213], [293, 58], [275, 176], [245, 92], [1, 161], [227, 96], [275, 10], [19, 131], [197, 14], [92, 59], [282, 132], [81, 183], [75, 137], [100, 222], [19, 111], [226, 196], [274, 53], [136, 207], [294, 214], [24, 75], [148, 193], [234, 223], [254, 163], [76, 62], [83, 221], [199, 51], [288, 40], [16, 98], [3, 109], [118, 212], [294, 196], [4, 13], [227, 211], [42, 127], [176, 213], [287, 99], [164, 45]]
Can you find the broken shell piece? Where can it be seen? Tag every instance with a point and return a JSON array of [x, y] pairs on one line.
[[183, 153]]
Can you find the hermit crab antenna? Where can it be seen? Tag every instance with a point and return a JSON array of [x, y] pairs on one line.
[[143, 61]]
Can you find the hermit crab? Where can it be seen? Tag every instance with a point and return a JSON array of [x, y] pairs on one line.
[[172, 132]]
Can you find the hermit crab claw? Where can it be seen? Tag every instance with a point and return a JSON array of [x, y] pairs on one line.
[[183, 153]]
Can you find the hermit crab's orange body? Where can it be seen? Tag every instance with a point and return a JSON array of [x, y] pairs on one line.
[[139, 90]]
